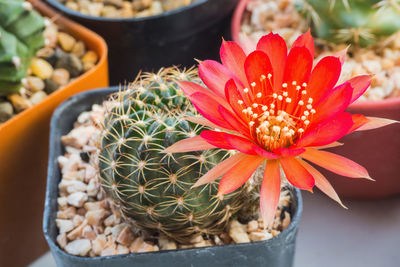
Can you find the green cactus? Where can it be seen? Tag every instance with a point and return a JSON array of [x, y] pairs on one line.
[[153, 188], [21, 35], [361, 22]]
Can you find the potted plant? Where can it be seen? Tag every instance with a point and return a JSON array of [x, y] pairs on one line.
[[24, 136], [142, 40], [152, 179], [361, 24]]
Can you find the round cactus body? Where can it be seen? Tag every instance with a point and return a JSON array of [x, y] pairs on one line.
[[21, 35], [356, 21], [153, 188]]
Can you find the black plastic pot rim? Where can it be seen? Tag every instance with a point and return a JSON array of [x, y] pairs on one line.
[[295, 218], [71, 12]]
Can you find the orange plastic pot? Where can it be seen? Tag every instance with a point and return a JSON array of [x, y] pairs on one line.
[[24, 153], [377, 150]]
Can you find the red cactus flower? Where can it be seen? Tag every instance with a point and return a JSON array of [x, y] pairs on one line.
[[274, 107]]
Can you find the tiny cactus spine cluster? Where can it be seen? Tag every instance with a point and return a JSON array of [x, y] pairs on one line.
[[152, 188], [361, 22], [21, 35]]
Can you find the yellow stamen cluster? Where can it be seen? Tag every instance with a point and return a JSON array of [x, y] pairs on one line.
[[280, 119]]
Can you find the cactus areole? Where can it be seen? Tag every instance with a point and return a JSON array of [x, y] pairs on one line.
[[152, 188], [21, 35]]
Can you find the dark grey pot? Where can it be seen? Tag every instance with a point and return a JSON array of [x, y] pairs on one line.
[[276, 252], [174, 37]]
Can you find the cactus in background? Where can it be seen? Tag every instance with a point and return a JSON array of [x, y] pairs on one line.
[[21, 35], [153, 188], [361, 22]]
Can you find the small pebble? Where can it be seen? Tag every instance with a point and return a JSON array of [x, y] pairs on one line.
[[77, 232], [67, 213], [79, 247], [6, 111], [77, 199], [125, 237], [252, 226], [66, 41], [64, 226], [79, 49], [71, 63], [35, 84], [41, 68], [237, 232], [72, 5], [38, 97], [60, 76], [94, 217], [19, 103], [50, 86], [50, 34], [122, 250], [167, 244], [99, 244], [88, 233], [259, 236], [45, 52], [62, 240]]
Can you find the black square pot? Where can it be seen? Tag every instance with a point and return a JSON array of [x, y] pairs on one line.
[[276, 252], [174, 37]]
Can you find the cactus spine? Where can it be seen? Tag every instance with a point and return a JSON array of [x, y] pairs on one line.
[[361, 22], [152, 188], [21, 35]]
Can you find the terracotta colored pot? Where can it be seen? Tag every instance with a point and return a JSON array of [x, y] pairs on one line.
[[24, 153], [377, 150]]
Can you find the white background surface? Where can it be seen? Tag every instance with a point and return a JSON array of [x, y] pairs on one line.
[[365, 235]]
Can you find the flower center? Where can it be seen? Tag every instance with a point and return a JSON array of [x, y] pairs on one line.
[[277, 120]]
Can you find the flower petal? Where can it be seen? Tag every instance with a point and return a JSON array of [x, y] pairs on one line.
[[257, 64], [374, 122], [235, 122], [335, 163], [289, 152], [298, 66], [189, 88], [275, 48], [202, 121], [265, 154], [334, 144], [241, 144], [270, 192], [187, 145], [215, 75], [233, 96], [239, 174], [341, 55], [296, 174], [324, 77], [305, 40], [208, 107], [321, 182], [247, 43], [360, 84], [233, 57], [327, 132], [333, 104], [220, 169], [359, 120], [216, 139]]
